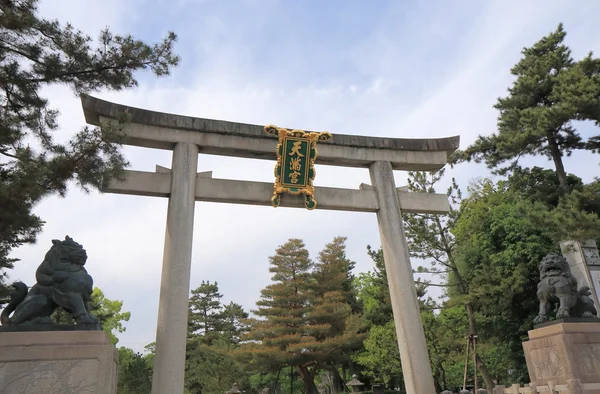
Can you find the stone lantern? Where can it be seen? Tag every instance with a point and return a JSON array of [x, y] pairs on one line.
[[355, 385], [234, 390]]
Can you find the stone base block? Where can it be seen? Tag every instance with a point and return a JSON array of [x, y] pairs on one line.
[[563, 352], [57, 362]]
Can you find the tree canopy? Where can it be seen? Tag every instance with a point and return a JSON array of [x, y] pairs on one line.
[[36, 53], [551, 90]]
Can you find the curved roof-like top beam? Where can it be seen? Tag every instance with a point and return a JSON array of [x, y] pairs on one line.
[[161, 130]]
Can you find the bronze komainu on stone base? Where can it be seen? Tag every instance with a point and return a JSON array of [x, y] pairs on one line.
[[565, 351], [62, 281], [40, 357], [558, 286]]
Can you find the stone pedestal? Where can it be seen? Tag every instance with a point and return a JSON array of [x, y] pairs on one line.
[[563, 352], [57, 362]]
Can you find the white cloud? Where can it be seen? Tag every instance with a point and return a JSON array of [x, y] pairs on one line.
[[392, 93]]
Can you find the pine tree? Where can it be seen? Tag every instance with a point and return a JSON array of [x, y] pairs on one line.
[[333, 303], [307, 321], [214, 331], [281, 336], [36, 53], [205, 312], [232, 324], [550, 92]]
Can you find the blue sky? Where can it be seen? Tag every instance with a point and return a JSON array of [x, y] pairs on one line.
[[385, 68]]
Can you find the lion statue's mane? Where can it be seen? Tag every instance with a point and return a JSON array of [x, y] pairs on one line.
[[62, 281]]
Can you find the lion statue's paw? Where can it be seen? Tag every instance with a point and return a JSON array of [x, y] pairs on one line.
[[539, 319], [87, 319], [562, 313]]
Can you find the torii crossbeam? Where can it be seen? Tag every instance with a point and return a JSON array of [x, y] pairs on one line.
[[187, 137]]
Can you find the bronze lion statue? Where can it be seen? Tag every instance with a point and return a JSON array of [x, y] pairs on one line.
[[61, 281], [558, 286]]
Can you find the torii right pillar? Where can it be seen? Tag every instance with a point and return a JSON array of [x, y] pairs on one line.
[[418, 377]]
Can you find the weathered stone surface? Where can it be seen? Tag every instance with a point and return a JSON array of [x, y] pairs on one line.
[[416, 368], [584, 263], [171, 329], [158, 184], [57, 363], [161, 130], [564, 352], [94, 108]]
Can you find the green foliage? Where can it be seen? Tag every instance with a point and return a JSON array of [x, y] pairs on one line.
[[305, 316], [572, 215], [576, 216], [380, 359], [134, 372], [214, 330], [445, 336], [108, 312], [205, 311], [373, 292], [283, 306], [211, 369], [539, 184], [211, 321], [333, 272], [550, 92], [232, 323], [374, 297], [502, 240], [429, 236], [37, 53]]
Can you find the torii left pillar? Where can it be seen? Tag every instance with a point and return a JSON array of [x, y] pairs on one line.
[[171, 330]]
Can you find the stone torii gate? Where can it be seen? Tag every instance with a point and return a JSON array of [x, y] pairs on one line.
[[187, 137]]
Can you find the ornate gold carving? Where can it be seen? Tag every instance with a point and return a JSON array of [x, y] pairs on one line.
[[298, 167]]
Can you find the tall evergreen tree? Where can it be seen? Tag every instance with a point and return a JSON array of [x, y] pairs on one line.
[[282, 335], [333, 272], [550, 92], [333, 303], [305, 319], [36, 53], [214, 331], [232, 324], [205, 310]]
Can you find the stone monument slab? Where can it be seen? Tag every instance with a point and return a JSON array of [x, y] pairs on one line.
[[561, 352], [57, 362], [584, 261]]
